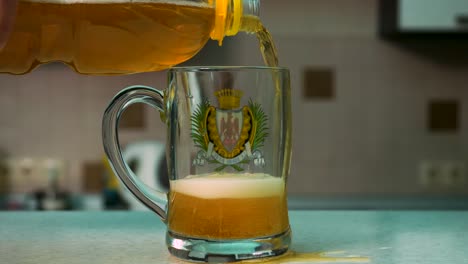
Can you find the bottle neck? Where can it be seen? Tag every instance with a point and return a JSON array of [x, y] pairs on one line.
[[251, 8], [232, 16]]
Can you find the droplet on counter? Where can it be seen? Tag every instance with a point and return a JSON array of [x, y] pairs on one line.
[[384, 248]]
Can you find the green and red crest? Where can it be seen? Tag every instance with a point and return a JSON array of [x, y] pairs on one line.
[[229, 135]]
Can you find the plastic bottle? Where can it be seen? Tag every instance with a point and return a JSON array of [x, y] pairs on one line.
[[118, 36]]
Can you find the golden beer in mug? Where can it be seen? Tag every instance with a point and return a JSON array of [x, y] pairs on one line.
[[228, 153], [224, 206]]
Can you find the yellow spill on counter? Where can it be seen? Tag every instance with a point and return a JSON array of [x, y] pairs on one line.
[[292, 257], [319, 257]]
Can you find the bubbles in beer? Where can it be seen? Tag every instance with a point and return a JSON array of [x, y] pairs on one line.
[[228, 206], [215, 185]]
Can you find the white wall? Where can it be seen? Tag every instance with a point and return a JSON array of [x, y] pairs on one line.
[[56, 113], [369, 139], [372, 137]]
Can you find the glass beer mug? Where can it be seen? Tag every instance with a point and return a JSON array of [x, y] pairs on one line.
[[228, 152], [119, 36]]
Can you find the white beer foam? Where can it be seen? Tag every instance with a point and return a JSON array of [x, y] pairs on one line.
[[65, 2], [210, 186]]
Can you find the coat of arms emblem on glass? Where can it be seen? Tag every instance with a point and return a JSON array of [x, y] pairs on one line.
[[229, 135]]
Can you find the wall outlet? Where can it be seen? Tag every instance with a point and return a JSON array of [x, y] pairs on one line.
[[21, 173], [430, 174], [442, 174], [454, 173], [32, 174]]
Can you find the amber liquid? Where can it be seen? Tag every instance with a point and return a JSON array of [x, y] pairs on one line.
[[318, 257], [101, 37], [267, 47], [265, 40], [105, 37], [231, 214]]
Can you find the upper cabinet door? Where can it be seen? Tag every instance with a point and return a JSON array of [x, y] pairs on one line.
[[424, 19], [433, 15]]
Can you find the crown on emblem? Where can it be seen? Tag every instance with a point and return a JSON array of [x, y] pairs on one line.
[[229, 98]]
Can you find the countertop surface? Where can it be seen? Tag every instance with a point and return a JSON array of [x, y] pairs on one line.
[[138, 237]]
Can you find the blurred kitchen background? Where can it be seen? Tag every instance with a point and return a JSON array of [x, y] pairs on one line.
[[380, 108]]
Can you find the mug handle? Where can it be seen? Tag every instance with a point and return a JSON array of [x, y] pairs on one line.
[[153, 199]]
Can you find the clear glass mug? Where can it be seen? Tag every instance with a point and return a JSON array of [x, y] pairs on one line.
[[228, 153]]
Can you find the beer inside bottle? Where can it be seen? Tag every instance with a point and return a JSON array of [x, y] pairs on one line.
[[106, 36]]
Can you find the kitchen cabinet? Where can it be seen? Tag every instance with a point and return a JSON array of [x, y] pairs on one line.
[[423, 18]]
